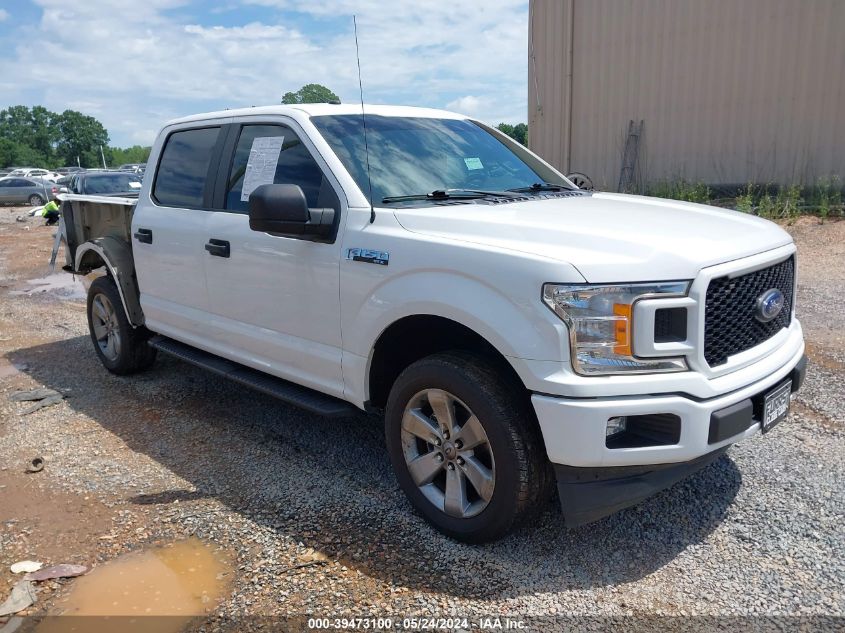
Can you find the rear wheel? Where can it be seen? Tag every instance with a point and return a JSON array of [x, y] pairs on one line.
[[122, 349], [465, 447], [35, 200]]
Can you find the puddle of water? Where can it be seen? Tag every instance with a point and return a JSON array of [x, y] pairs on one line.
[[180, 581], [64, 285]]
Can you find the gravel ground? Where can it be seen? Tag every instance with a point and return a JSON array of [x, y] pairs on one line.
[[132, 462]]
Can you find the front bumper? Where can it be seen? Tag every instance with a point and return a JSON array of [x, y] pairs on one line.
[[589, 494], [594, 480]]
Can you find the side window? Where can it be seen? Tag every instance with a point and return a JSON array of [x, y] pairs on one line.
[[295, 166], [183, 167]]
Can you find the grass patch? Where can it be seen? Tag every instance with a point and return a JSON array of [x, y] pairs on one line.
[[681, 190], [824, 199]]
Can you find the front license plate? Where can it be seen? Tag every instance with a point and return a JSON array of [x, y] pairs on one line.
[[776, 405]]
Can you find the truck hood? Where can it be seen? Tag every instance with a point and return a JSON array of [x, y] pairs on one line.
[[607, 237]]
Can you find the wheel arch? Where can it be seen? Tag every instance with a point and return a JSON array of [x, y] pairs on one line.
[[413, 337], [116, 257]]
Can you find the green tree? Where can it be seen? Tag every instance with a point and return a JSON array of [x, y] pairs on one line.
[[28, 135], [16, 124], [80, 136], [38, 137], [518, 132], [310, 93], [16, 154], [44, 130], [135, 154]]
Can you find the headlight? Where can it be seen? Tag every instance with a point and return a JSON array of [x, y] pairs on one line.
[[600, 321]]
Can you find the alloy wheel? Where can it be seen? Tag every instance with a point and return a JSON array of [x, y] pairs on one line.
[[447, 453], [106, 327]]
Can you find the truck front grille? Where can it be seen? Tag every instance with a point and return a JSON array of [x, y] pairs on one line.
[[730, 325]]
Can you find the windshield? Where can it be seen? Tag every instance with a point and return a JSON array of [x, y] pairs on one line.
[[410, 155]]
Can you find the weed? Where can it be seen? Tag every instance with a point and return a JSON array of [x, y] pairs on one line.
[[745, 201], [827, 196], [681, 190], [767, 206], [768, 201]]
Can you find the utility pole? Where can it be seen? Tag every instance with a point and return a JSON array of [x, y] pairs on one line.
[[103, 156]]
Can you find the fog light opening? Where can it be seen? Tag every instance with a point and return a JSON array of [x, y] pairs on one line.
[[615, 426], [641, 431]]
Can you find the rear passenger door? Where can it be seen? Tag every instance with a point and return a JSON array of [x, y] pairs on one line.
[[169, 231], [275, 300]]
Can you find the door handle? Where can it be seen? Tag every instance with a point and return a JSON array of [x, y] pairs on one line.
[[144, 236], [218, 248]]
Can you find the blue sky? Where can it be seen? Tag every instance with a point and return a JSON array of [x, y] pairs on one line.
[[136, 65]]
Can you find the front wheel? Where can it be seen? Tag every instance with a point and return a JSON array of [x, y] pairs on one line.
[[465, 447], [122, 349]]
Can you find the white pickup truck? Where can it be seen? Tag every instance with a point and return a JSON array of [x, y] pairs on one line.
[[515, 331]]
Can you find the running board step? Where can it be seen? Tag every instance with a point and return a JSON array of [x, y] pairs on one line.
[[289, 392]]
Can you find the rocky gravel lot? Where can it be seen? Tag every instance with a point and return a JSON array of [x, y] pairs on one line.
[[314, 522]]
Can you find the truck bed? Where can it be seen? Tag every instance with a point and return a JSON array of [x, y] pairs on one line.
[[88, 218]]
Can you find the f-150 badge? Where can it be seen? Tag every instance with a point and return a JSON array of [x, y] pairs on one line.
[[369, 256]]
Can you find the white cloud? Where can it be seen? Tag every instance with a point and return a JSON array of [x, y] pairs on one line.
[[3, 15], [469, 105], [134, 69]]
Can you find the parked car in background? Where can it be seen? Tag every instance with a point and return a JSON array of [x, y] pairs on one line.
[[34, 172], [65, 171], [133, 167], [64, 184], [34, 191], [20, 171], [8, 171], [104, 183]]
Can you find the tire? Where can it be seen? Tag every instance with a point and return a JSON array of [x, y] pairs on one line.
[[513, 457], [35, 200], [580, 180], [122, 349]]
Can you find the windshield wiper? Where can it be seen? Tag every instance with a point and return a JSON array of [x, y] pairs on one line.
[[542, 186], [451, 194]]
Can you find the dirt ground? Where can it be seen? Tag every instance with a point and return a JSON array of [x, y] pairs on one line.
[[132, 463]]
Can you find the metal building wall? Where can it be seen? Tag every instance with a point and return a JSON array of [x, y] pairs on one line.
[[731, 91]]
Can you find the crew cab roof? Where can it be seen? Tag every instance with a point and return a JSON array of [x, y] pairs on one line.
[[317, 109]]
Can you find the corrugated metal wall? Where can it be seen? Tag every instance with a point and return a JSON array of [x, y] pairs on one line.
[[731, 91]]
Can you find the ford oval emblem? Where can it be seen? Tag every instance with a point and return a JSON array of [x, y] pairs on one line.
[[769, 304]]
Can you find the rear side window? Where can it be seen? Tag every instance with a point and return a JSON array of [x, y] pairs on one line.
[[183, 168], [266, 152]]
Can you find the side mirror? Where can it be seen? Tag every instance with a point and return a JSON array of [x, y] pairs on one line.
[[282, 209]]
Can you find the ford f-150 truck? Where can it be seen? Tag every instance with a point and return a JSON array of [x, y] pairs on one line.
[[515, 331]]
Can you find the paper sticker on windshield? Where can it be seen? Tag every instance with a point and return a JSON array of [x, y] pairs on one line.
[[261, 166], [134, 185], [473, 163]]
